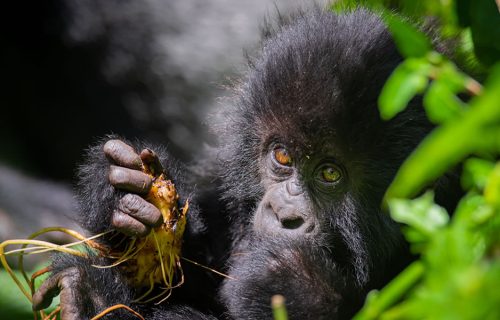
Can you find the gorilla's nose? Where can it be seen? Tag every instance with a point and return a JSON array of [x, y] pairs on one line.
[[289, 218], [284, 218]]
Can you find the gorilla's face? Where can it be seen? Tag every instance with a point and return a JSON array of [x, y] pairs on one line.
[[304, 186], [306, 163], [312, 194], [285, 208]]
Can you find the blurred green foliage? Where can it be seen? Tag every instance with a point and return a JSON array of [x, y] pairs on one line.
[[457, 274], [13, 304]]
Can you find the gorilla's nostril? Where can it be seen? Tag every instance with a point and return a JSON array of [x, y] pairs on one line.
[[292, 223]]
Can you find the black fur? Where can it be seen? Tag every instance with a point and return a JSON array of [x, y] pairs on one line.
[[314, 87]]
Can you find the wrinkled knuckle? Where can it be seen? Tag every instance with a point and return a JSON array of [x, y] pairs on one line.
[[151, 215], [39, 301], [118, 220], [71, 271], [130, 203], [128, 225], [139, 230]]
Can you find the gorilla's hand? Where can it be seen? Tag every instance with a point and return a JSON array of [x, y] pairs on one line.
[[83, 289], [132, 215], [111, 187]]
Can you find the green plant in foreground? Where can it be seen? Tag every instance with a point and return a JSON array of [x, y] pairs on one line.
[[279, 308], [458, 273]]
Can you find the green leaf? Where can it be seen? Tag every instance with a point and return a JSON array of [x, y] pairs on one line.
[[472, 210], [410, 41], [476, 173], [440, 103], [379, 301], [422, 214], [492, 188], [440, 100], [13, 304], [407, 80]]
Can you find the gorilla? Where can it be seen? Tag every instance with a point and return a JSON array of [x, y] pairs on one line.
[[288, 200]]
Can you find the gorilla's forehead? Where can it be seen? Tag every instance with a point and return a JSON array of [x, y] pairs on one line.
[[316, 84], [321, 75]]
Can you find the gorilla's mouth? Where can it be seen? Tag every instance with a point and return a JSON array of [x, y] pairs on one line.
[[326, 248], [300, 258]]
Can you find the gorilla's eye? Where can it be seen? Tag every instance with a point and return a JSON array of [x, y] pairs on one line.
[[282, 156], [330, 174]]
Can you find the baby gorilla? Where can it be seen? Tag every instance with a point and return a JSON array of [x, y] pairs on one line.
[[287, 203]]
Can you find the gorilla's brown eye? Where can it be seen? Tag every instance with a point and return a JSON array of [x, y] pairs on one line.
[[282, 156], [330, 174]]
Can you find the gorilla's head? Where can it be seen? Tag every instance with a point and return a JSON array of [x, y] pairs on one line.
[[306, 160]]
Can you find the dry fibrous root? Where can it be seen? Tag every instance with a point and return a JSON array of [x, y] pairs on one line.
[[151, 264], [31, 246]]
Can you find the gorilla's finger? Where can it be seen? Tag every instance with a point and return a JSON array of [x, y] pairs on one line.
[[122, 154], [42, 298], [128, 225], [150, 158], [68, 296], [63, 282], [140, 209], [130, 180]]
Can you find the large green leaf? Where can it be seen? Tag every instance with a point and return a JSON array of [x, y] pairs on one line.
[[409, 78], [410, 41]]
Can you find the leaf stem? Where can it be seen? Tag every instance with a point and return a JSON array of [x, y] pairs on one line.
[[378, 302]]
